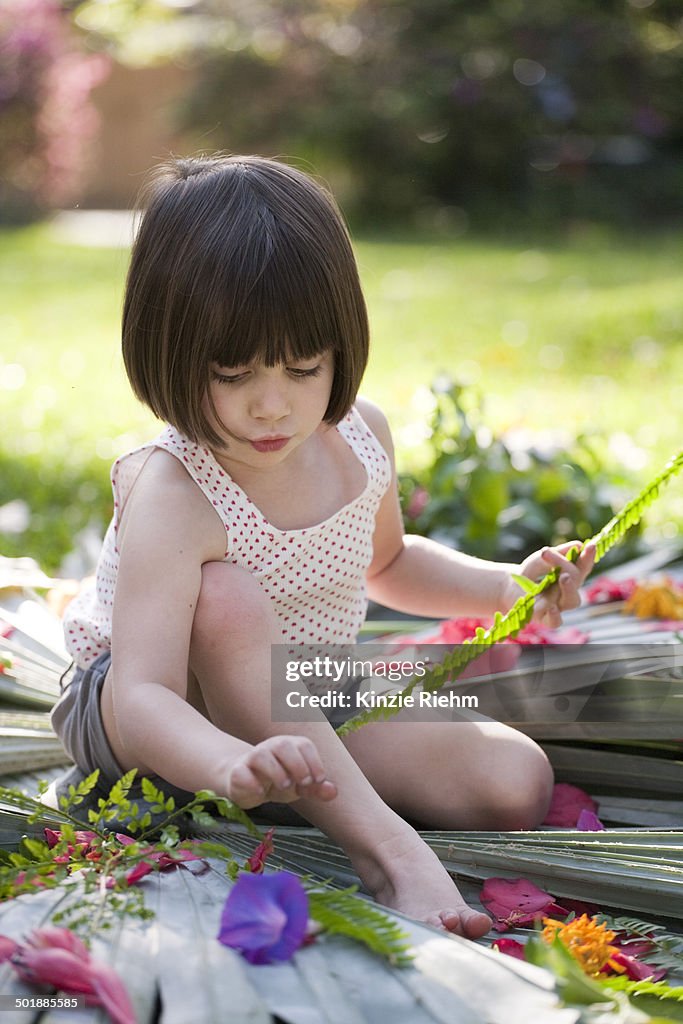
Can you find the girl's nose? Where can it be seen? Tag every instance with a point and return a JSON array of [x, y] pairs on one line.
[[270, 402]]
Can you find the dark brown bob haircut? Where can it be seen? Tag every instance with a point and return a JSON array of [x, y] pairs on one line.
[[238, 259]]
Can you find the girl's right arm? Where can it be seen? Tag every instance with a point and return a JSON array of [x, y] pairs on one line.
[[167, 532]]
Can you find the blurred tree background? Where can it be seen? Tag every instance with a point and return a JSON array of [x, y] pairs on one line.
[[554, 129], [436, 109]]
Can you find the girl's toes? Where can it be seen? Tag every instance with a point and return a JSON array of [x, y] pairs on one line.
[[474, 923], [471, 924]]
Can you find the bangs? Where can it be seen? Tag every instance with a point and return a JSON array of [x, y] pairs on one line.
[[278, 305]]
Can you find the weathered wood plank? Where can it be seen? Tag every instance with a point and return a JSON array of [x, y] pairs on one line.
[[199, 979]]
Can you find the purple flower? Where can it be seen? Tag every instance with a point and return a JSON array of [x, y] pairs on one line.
[[265, 917], [588, 821]]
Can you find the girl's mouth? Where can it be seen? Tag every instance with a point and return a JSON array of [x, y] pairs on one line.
[[269, 444]]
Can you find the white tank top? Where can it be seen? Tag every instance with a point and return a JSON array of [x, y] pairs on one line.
[[315, 577]]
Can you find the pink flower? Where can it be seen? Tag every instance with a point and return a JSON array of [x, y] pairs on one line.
[[56, 957], [258, 858], [517, 901], [604, 590], [566, 805]]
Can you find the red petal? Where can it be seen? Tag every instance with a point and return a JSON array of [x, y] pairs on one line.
[[52, 837], [510, 947], [566, 805], [636, 970], [138, 872], [517, 901], [258, 858]]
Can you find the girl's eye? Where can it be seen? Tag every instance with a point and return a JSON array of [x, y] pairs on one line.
[[313, 372], [236, 378], [224, 378]]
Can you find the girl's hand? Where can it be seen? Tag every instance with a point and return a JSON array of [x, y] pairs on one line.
[[280, 769], [564, 594]]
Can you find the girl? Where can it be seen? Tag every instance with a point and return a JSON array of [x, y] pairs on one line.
[[264, 514]]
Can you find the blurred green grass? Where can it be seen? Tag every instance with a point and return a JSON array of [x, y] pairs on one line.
[[581, 335]]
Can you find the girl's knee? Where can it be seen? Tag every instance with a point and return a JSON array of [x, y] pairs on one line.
[[523, 794], [230, 602]]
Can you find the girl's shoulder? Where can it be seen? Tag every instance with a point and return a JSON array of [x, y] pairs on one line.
[[374, 418], [164, 493]]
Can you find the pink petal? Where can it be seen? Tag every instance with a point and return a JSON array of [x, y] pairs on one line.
[[605, 589], [510, 947], [53, 966], [633, 947], [58, 938], [256, 862], [567, 803], [516, 902], [52, 837], [138, 872], [636, 970], [8, 948], [111, 994], [589, 822], [174, 858]]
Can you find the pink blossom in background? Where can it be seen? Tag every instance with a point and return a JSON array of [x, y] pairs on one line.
[[605, 590], [419, 500]]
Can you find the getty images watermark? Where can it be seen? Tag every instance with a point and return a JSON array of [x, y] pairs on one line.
[[613, 690]]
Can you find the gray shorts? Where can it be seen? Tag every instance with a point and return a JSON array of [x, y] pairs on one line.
[[77, 720]]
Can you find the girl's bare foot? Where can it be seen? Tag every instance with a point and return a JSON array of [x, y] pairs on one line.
[[403, 874]]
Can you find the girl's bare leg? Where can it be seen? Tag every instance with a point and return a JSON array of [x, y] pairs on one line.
[[234, 628]]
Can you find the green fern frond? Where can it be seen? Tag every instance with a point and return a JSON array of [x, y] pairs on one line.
[[505, 626], [659, 989], [341, 912]]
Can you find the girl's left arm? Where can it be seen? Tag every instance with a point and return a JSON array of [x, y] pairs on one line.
[[419, 576]]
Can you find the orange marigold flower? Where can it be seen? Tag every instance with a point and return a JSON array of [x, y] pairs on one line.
[[660, 599], [588, 942]]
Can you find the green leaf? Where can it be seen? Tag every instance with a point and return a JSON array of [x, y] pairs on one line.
[[524, 582], [150, 792], [340, 912], [574, 986], [652, 997]]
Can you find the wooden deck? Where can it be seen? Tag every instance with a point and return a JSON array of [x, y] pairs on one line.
[[177, 973]]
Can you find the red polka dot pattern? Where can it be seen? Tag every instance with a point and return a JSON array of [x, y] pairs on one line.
[[315, 577]]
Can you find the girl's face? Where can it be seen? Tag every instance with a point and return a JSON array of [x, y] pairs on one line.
[[268, 411]]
